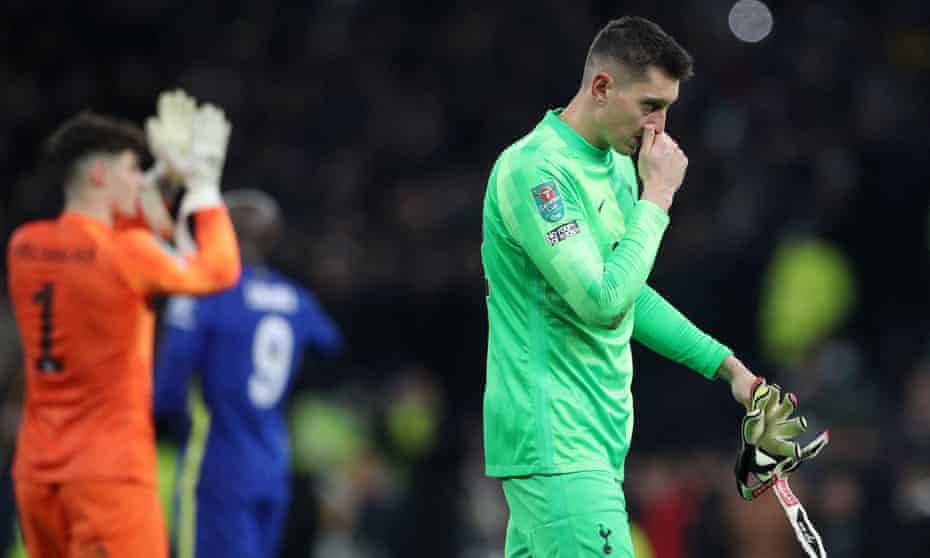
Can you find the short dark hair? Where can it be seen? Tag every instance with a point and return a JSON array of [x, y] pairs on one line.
[[638, 43], [85, 134]]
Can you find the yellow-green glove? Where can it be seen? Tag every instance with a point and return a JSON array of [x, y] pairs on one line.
[[769, 440]]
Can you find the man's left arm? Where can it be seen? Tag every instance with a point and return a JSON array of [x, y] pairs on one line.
[[662, 328]]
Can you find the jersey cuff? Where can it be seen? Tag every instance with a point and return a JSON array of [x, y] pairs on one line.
[[652, 215], [718, 353], [203, 198]]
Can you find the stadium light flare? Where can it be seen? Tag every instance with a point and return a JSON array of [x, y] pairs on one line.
[[750, 20]]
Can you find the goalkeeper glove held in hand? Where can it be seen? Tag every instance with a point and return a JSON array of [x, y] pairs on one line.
[[769, 440]]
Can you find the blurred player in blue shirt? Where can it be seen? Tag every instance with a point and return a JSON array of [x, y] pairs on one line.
[[244, 346]]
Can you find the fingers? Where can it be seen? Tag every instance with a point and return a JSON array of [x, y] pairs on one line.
[[780, 406], [176, 103], [211, 112], [759, 382], [191, 139], [664, 140], [753, 426], [780, 437], [769, 422], [760, 394], [791, 428], [213, 117], [649, 138], [175, 111], [211, 131], [168, 131], [816, 445], [781, 448]]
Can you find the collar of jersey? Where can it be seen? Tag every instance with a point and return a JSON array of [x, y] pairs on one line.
[[71, 216], [575, 141]]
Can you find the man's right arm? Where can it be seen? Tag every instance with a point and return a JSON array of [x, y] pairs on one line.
[[150, 267], [564, 250]]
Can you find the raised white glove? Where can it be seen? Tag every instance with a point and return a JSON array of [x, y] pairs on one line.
[[190, 146], [209, 140], [169, 132]]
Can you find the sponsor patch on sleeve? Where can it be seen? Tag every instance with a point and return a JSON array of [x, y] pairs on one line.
[[560, 233], [549, 201]]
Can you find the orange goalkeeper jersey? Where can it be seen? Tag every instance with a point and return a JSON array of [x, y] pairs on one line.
[[80, 291]]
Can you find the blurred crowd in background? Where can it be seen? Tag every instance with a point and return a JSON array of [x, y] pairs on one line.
[[800, 239]]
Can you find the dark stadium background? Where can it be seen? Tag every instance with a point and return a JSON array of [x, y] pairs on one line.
[[375, 123]]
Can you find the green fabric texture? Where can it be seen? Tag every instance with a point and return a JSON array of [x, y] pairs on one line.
[[668, 332], [577, 515]]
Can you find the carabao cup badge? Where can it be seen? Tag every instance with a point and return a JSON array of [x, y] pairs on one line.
[[549, 201]]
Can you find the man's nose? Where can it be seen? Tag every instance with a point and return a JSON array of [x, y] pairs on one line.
[[657, 120]]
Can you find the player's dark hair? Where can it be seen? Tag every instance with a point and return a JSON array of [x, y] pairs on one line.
[[638, 43], [88, 134]]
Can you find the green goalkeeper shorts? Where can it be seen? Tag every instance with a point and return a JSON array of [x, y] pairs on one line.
[[573, 515]]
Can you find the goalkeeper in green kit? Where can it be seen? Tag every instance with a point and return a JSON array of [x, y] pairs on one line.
[[568, 245]]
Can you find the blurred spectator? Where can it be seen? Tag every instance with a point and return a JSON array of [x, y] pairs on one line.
[[912, 461], [808, 294], [225, 367]]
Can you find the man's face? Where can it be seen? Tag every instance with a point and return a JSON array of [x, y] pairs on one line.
[[124, 181], [630, 103]]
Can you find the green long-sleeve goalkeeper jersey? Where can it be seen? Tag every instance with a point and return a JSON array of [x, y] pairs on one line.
[[566, 251]]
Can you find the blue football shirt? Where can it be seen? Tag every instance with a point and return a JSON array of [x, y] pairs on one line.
[[245, 345]]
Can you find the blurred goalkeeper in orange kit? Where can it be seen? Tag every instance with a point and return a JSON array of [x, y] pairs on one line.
[[84, 471]]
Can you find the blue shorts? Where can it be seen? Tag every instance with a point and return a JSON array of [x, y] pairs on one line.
[[226, 525]]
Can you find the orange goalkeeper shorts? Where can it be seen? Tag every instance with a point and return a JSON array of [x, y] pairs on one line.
[[91, 519]]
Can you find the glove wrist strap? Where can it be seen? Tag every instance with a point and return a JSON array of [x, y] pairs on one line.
[[200, 197]]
